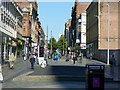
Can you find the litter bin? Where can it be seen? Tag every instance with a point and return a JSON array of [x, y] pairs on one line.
[[95, 77]]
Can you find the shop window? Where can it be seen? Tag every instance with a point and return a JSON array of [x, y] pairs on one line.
[[11, 23], [8, 21], [1, 17]]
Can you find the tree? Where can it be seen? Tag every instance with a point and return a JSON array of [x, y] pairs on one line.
[[62, 43], [54, 44]]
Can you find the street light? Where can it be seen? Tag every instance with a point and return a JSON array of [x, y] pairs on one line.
[[39, 45], [108, 37], [108, 34], [51, 42]]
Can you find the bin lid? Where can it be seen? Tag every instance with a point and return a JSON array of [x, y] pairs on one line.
[[95, 66]]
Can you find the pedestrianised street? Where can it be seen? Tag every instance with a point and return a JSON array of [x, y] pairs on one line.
[[58, 74], [60, 44]]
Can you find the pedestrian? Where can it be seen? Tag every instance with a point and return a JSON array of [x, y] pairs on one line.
[[80, 57], [112, 65], [29, 54], [74, 57], [11, 61], [32, 61], [91, 56], [70, 56], [67, 57], [23, 55], [56, 57]]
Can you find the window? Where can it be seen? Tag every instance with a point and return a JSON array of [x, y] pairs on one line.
[[1, 17], [8, 21], [4, 19]]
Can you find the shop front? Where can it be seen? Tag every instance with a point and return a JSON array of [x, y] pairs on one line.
[[8, 46]]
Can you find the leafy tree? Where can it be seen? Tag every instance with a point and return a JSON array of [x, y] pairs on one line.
[[54, 44], [62, 43]]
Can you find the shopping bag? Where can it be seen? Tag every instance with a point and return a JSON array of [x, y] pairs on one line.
[[1, 76], [43, 64], [24, 58]]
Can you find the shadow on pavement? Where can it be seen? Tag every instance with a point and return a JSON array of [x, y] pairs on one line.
[[62, 73]]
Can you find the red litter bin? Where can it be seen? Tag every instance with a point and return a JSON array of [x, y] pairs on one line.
[[95, 77]]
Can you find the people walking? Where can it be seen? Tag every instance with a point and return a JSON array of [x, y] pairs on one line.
[[11, 61], [32, 61]]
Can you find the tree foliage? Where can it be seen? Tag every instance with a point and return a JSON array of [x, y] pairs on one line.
[[62, 43], [54, 44]]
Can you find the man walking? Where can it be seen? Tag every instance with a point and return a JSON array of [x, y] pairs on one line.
[[32, 61]]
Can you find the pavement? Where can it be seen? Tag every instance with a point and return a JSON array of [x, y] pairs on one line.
[[23, 77], [21, 67]]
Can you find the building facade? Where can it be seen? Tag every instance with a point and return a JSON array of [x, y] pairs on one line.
[[9, 12], [78, 14], [81, 34], [29, 32], [103, 31], [68, 31]]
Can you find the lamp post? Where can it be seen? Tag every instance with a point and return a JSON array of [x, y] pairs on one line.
[[51, 41], [73, 40], [108, 31], [17, 32], [108, 39], [63, 44], [47, 42]]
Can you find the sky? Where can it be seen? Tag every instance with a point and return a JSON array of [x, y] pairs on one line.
[[54, 15]]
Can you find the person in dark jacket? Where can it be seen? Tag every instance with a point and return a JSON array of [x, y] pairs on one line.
[[113, 63], [32, 61]]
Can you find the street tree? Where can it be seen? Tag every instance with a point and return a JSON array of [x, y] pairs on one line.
[[53, 43], [62, 43]]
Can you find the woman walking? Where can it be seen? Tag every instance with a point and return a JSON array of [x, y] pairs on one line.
[[11, 61]]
